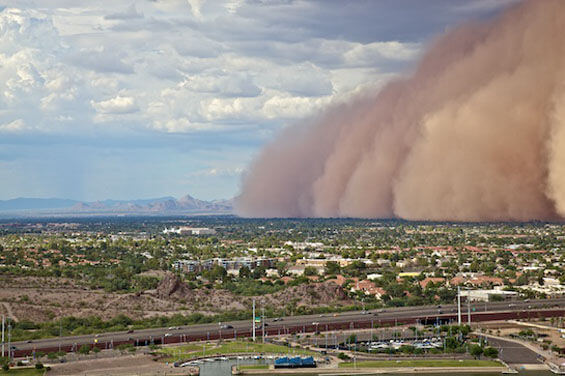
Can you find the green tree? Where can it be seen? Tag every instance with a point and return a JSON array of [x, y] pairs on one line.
[[84, 349], [310, 271], [244, 272], [491, 352], [259, 272], [476, 351], [282, 268], [332, 267]]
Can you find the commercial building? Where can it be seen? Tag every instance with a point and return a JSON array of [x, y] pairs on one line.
[[488, 295], [232, 266], [185, 230]]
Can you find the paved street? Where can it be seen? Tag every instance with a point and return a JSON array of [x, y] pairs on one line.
[[428, 314]]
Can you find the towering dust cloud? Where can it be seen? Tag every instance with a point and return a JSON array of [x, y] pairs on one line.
[[476, 133]]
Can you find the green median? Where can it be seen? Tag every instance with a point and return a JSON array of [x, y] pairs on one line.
[[420, 363], [22, 372], [233, 347], [253, 366]]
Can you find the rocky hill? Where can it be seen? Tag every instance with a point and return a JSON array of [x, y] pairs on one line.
[[309, 295]]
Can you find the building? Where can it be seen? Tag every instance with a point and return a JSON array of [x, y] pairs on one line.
[[185, 230], [488, 295], [304, 245], [368, 288], [433, 280], [187, 266], [232, 266]]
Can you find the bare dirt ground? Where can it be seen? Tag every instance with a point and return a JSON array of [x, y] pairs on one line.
[[126, 365], [39, 299], [44, 299]]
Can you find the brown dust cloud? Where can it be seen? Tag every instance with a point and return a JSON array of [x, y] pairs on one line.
[[475, 133]]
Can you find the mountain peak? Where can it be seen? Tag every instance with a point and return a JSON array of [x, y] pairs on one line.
[[165, 205]]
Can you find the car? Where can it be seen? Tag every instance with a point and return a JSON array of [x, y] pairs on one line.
[[168, 334], [335, 314], [440, 311], [277, 319], [226, 326], [322, 315], [315, 323], [129, 331], [29, 341], [364, 312]]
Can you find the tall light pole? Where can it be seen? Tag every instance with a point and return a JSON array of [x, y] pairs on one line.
[[469, 308], [253, 321], [9, 341], [459, 305], [263, 323], [3, 324]]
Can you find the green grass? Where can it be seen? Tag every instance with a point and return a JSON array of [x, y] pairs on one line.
[[23, 372], [184, 348], [421, 363], [254, 366], [242, 347]]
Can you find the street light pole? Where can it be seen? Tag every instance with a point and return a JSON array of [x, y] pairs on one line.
[[253, 321], [459, 305], [263, 322], [3, 323], [10, 341], [469, 307]]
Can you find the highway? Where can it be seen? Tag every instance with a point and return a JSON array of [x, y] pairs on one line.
[[307, 323]]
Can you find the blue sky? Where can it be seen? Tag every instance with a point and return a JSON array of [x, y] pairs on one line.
[[137, 99]]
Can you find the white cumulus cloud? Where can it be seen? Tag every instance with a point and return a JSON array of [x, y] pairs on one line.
[[116, 105]]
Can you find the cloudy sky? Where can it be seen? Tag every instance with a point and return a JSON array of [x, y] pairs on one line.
[[136, 99]]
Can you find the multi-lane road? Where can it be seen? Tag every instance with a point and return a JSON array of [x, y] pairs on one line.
[[307, 323]]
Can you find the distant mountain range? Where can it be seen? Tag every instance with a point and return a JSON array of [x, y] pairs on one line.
[[163, 205]]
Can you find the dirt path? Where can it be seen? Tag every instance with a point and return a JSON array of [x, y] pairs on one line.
[[9, 312]]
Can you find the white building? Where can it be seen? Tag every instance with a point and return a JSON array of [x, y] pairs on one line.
[[185, 230], [488, 295]]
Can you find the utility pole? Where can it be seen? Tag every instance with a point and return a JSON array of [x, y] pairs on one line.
[[253, 321], [469, 308], [60, 334], [3, 324], [9, 341], [459, 305], [263, 322]]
